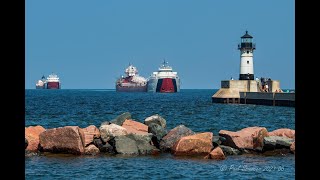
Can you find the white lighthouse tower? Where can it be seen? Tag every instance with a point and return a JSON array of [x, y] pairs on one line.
[[246, 48]]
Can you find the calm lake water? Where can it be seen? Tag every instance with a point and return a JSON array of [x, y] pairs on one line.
[[193, 108]]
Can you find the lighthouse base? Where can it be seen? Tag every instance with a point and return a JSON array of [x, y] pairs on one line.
[[246, 77]]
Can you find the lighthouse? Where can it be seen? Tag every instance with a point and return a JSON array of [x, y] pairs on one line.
[[246, 48]]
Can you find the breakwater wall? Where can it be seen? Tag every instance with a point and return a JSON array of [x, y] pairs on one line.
[[125, 136]]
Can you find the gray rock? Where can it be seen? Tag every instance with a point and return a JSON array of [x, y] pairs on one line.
[[174, 135], [227, 150], [144, 143], [121, 118], [125, 145], [156, 119], [134, 144], [158, 133], [25, 143], [276, 142], [108, 132]]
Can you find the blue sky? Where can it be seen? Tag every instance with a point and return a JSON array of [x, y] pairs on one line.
[[90, 43]]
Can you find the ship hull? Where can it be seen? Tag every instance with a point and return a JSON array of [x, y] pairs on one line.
[[164, 85], [39, 87], [131, 88], [53, 85]]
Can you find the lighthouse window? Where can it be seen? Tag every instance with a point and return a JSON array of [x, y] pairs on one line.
[[247, 62], [247, 52]]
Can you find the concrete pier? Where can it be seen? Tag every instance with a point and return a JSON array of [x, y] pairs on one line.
[[259, 98], [250, 92]]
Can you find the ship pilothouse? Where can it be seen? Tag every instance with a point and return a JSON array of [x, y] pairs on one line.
[[246, 48]]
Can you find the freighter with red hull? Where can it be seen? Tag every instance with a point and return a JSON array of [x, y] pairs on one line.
[[53, 82], [132, 82], [164, 80]]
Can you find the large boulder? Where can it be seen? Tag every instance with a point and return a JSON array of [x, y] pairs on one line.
[[144, 143], [216, 153], [198, 144], [229, 150], [119, 120], [68, 139], [156, 119], [134, 144], [174, 135], [248, 138], [284, 132], [135, 127], [32, 135], [158, 133], [108, 132], [90, 133], [91, 150], [276, 142], [125, 145]]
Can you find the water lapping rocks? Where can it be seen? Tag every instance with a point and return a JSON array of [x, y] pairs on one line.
[[125, 136]]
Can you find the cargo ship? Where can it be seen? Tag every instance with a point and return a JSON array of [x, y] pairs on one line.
[[41, 84], [53, 82], [132, 82], [164, 80]]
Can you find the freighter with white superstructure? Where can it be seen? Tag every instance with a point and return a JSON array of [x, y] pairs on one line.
[[132, 82], [164, 80], [52, 82], [41, 84]]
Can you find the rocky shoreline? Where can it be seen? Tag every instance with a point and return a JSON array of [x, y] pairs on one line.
[[123, 135]]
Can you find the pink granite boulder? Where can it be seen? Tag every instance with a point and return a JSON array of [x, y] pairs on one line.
[[284, 132], [68, 139], [135, 127], [198, 144], [167, 142], [216, 153], [248, 138], [90, 133], [32, 135]]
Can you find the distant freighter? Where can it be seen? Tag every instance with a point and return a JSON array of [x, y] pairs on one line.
[[164, 80], [52, 82], [132, 82], [41, 83]]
